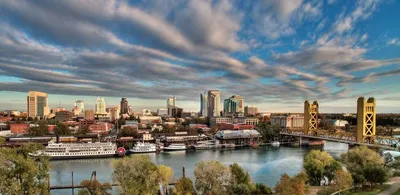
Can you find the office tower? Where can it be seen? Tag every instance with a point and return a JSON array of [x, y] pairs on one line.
[[214, 101], [170, 105], [130, 110], [240, 103], [203, 104], [177, 112], [114, 113], [89, 115], [250, 110], [100, 106], [37, 104], [81, 105], [234, 105], [124, 106]]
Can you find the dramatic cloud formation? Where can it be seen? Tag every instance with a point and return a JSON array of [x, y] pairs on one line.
[[280, 51]]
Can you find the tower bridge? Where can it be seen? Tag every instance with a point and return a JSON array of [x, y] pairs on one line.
[[365, 133]]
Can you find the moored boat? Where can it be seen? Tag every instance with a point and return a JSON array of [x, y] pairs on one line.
[[141, 147], [175, 147]]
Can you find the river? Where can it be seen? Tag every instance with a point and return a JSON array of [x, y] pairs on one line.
[[265, 165]]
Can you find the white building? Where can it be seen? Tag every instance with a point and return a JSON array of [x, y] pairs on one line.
[[146, 112], [150, 119], [170, 105], [81, 105], [100, 106], [162, 112]]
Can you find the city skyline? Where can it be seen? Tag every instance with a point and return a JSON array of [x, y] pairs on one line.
[[275, 54]]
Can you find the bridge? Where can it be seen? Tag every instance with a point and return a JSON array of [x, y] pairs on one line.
[[364, 135]]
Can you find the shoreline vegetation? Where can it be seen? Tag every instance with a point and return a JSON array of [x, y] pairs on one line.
[[361, 167]]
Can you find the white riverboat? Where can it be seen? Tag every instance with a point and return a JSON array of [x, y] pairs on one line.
[[141, 147], [276, 144], [208, 144], [175, 147], [78, 150]]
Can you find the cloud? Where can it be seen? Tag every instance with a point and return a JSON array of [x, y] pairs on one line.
[[393, 41]]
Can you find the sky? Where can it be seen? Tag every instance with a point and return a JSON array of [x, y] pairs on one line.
[[274, 53]]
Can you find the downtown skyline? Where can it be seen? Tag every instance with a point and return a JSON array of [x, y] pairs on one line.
[[275, 54]]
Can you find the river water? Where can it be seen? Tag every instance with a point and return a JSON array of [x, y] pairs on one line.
[[265, 165]]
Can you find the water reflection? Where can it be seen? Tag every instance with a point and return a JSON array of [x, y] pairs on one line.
[[265, 165]]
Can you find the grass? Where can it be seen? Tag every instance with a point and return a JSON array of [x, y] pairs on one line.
[[366, 190], [358, 191]]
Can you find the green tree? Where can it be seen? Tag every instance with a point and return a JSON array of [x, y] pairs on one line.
[[138, 119], [21, 174], [94, 188], [83, 130], [212, 177], [268, 132], [165, 174], [184, 186], [262, 189], [342, 180], [292, 185], [319, 166], [375, 174], [240, 180], [137, 174], [128, 132], [358, 159], [121, 121], [61, 129]]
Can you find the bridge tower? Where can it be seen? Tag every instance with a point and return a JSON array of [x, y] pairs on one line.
[[310, 117], [366, 120]]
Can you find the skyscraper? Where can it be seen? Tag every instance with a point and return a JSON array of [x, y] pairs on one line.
[[250, 110], [170, 105], [214, 101], [81, 105], [234, 105], [37, 104], [124, 106], [203, 104], [100, 106]]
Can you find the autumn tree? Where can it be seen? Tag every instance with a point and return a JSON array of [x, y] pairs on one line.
[[22, 174], [39, 130], [94, 188], [342, 180], [137, 174], [292, 185], [212, 177], [365, 165], [83, 130], [319, 166], [184, 186]]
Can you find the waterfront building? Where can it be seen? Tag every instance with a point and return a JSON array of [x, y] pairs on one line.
[[37, 104], [124, 106], [81, 105], [203, 104], [232, 120], [213, 101], [170, 105], [289, 122], [100, 106], [89, 115], [64, 115], [250, 110]]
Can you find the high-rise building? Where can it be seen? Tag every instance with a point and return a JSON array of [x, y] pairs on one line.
[[37, 104], [76, 111], [170, 105], [130, 110], [114, 113], [213, 101], [81, 105], [124, 106], [234, 105], [162, 112], [177, 112], [203, 104], [100, 106], [250, 110], [89, 115]]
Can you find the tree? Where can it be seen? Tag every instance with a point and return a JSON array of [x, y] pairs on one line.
[[375, 174], [292, 185], [212, 177], [342, 180], [21, 174], [359, 162], [184, 186], [320, 165], [262, 189], [138, 119], [268, 132], [61, 129], [165, 174], [94, 188], [83, 130], [128, 132], [121, 121], [137, 174], [240, 181]]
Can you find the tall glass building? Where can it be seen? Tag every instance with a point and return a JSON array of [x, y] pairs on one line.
[[214, 101], [100, 106], [81, 105], [203, 104]]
